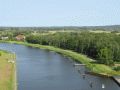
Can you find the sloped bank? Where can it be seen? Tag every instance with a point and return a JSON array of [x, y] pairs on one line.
[[99, 69], [7, 71]]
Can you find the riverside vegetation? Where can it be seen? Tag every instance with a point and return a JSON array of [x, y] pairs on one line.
[[102, 48], [90, 63]]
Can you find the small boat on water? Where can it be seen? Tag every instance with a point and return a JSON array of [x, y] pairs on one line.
[[103, 86]]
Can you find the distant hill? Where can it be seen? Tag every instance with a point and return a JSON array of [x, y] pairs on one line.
[[105, 28]]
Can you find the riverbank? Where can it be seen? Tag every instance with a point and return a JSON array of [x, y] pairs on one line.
[[93, 67], [7, 71]]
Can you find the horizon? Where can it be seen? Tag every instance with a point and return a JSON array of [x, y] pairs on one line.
[[56, 26]]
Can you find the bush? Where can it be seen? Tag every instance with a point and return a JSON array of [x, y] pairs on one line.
[[117, 68], [0, 53]]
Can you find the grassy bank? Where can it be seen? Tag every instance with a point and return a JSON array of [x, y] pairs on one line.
[[93, 67], [7, 71]]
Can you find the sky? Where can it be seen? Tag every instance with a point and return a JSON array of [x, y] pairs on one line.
[[59, 12]]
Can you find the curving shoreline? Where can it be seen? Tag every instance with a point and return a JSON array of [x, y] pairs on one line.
[[100, 69]]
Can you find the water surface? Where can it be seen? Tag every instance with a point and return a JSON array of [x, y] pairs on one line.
[[45, 70]]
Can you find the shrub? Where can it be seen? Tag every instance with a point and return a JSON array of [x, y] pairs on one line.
[[117, 68]]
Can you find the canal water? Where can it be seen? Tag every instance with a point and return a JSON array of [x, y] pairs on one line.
[[39, 69]]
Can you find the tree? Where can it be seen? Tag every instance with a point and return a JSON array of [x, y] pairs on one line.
[[105, 56]]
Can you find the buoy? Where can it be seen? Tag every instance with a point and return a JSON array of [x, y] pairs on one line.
[[103, 86], [83, 76], [91, 84]]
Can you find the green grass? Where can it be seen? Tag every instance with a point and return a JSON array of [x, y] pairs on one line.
[[7, 72], [93, 67]]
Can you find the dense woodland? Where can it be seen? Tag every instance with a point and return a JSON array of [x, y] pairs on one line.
[[103, 47]]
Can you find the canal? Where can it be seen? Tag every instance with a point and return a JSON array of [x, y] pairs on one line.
[[39, 69]]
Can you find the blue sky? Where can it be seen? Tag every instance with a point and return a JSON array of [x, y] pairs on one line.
[[59, 12]]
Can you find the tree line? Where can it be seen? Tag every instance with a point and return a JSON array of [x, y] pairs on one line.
[[103, 47]]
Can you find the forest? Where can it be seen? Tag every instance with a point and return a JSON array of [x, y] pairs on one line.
[[103, 47]]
